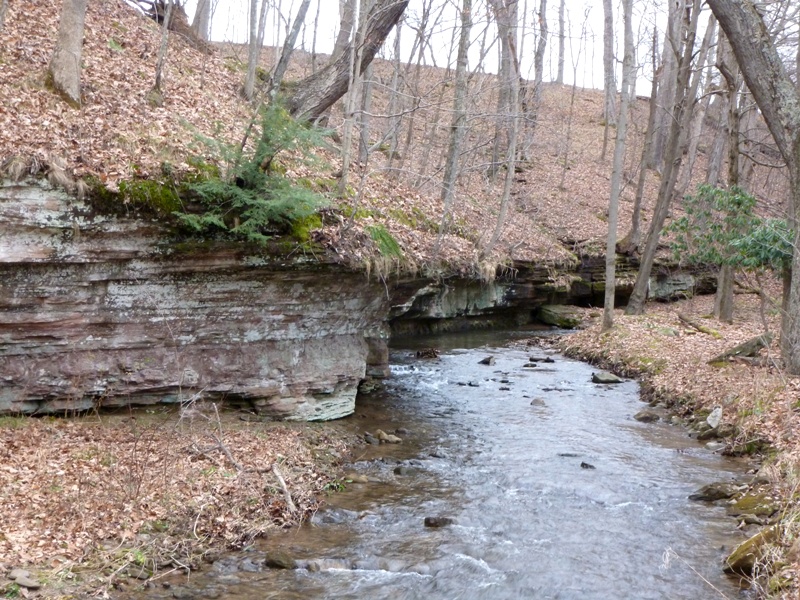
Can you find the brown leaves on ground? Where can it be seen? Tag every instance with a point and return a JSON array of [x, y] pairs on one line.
[[163, 485], [116, 134], [672, 359]]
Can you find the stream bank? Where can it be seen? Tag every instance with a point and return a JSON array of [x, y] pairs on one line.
[[510, 481], [755, 403]]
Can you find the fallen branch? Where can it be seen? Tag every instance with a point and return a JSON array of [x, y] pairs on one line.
[[287, 495], [749, 348], [686, 320]]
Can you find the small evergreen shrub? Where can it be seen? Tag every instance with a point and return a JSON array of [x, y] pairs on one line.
[[251, 198]]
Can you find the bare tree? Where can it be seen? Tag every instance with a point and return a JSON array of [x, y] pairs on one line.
[[288, 48], [459, 122], [609, 81], [630, 243], [507, 56], [156, 96], [64, 72], [532, 112], [505, 12], [258, 23], [313, 95], [779, 101], [672, 155], [616, 173], [705, 63], [666, 90], [561, 37], [201, 23], [3, 12], [353, 92], [347, 13]]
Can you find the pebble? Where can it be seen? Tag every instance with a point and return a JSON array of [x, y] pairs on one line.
[[27, 582], [18, 573]]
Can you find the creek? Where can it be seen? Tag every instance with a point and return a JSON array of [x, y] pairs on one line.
[[555, 492]]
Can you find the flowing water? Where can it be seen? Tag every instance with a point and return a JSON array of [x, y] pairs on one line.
[[554, 489]]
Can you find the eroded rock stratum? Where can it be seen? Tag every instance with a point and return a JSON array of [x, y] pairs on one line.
[[100, 311]]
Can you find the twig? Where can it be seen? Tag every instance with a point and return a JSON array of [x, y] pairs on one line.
[[686, 320], [287, 495]]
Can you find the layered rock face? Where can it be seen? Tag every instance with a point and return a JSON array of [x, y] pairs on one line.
[[100, 311]]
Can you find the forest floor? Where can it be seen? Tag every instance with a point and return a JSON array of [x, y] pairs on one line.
[[760, 403], [93, 502]]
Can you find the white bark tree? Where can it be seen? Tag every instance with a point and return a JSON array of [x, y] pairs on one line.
[[561, 38], [459, 122], [64, 72], [616, 173], [672, 159]]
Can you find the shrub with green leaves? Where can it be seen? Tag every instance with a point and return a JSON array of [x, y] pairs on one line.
[[720, 227], [251, 199]]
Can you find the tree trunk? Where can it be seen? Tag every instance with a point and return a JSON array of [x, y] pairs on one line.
[[561, 38], [395, 117], [616, 173], [65, 66], [459, 122], [532, 113], [314, 39], [346, 23], [288, 48], [364, 118], [672, 164], [201, 23], [631, 242], [353, 94], [3, 12], [698, 112], [505, 11], [723, 299], [156, 96], [666, 90], [316, 93], [257, 27], [609, 81], [506, 16]]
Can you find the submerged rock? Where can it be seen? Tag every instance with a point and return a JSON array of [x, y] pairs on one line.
[[277, 559], [647, 416], [585, 465], [356, 478], [387, 438], [720, 490], [438, 521], [489, 360], [605, 377]]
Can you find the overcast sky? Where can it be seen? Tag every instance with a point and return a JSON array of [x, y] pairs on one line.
[[584, 51]]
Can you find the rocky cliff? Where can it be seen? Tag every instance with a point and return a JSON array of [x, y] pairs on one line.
[[100, 311]]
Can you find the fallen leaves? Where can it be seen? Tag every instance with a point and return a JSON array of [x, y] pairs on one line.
[[71, 488]]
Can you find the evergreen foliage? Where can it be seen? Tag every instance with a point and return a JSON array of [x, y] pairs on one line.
[[250, 198], [720, 227], [386, 243]]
